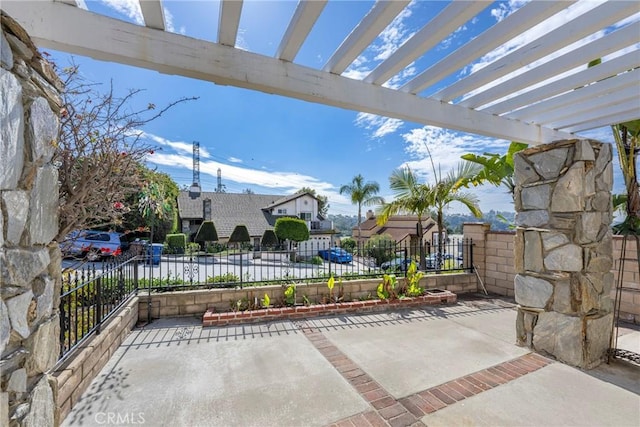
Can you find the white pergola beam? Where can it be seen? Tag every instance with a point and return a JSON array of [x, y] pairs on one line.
[[518, 22], [175, 54], [304, 18], [630, 103], [581, 56], [229, 21], [605, 121], [576, 110], [596, 19], [376, 20], [609, 87], [446, 22], [605, 70], [153, 14]]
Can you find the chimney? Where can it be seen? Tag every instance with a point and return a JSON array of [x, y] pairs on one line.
[[370, 214]]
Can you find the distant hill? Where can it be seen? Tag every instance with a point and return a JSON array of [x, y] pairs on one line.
[[455, 221], [345, 223]]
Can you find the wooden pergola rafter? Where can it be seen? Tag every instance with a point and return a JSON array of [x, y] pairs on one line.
[[531, 94]]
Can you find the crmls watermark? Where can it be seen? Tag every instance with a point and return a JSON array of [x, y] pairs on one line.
[[119, 418]]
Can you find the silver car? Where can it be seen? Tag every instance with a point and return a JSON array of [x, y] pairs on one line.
[[91, 244]]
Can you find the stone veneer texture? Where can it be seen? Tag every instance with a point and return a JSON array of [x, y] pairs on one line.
[[563, 250], [29, 260]]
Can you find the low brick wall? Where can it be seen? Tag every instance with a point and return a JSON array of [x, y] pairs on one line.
[[211, 318], [196, 303], [75, 374]]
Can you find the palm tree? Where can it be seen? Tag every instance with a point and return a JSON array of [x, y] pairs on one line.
[[362, 194], [627, 138], [447, 190], [410, 197], [496, 169]]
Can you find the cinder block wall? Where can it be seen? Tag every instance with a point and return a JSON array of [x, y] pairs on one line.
[[196, 303], [630, 298], [493, 254], [499, 264]]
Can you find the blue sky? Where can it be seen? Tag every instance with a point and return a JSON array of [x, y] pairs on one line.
[[276, 145]]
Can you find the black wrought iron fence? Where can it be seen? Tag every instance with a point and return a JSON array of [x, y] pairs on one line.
[[91, 293], [230, 267]]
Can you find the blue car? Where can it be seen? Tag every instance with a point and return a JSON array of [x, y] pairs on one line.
[[338, 255]]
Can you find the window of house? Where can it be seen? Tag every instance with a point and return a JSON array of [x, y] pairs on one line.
[[305, 216], [282, 211]]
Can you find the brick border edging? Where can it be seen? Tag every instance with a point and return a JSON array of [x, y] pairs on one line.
[[408, 411], [211, 318]]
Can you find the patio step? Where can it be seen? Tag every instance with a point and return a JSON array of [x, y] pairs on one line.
[[431, 297]]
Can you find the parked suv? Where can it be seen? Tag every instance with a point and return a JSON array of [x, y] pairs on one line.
[[92, 245]]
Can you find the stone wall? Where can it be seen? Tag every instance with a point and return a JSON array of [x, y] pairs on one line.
[[29, 260], [563, 250]]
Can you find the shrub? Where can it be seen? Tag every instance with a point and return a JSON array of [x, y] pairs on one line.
[[206, 232], [240, 234], [316, 260], [348, 244], [269, 239], [176, 242], [381, 248], [224, 278], [293, 229]]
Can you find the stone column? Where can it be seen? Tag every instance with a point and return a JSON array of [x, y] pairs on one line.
[[29, 260], [563, 253]]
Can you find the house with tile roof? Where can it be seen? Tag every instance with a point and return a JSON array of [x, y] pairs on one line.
[[258, 212], [400, 228]]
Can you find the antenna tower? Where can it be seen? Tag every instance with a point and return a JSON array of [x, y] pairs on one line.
[[194, 190]]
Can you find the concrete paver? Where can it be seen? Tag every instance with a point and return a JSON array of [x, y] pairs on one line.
[[556, 395], [250, 375], [435, 348], [458, 364]]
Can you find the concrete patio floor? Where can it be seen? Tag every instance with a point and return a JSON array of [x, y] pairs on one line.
[[437, 366]]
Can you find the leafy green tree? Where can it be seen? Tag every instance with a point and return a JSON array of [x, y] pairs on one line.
[[362, 193], [206, 233], [323, 201], [164, 225], [627, 138], [496, 169], [348, 244], [381, 248], [293, 229], [411, 197], [153, 205]]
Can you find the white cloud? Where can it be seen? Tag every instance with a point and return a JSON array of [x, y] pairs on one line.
[[129, 8], [505, 9], [379, 125], [181, 147], [391, 38], [168, 18], [234, 160]]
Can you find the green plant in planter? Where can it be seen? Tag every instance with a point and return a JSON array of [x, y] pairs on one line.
[[387, 289], [266, 301], [413, 281], [305, 300], [290, 295], [330, 284]]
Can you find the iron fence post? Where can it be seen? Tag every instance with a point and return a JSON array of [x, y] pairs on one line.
[[98, 304]]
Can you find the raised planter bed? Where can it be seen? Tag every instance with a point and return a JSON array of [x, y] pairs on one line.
[[431, 297]]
